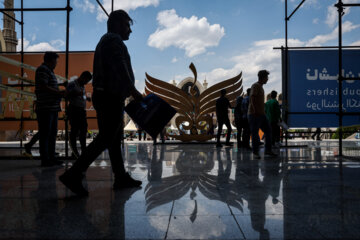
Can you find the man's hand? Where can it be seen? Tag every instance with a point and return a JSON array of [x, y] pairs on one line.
[[137, 95]]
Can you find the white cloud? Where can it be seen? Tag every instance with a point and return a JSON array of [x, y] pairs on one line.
[[192, 34], [311, 3], [140, 85], [333, 15], [39, 47], [321, 39], [262, 56], [33, 37], [85, 5], [357, 43], [58, 43], [174, 60], [126, 5]]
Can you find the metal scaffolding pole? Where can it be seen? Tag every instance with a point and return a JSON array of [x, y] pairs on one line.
[[340, 7], [285, 95], [22, 71], [68, 9]]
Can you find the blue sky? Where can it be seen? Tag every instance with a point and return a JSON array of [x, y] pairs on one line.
[[221, 37]]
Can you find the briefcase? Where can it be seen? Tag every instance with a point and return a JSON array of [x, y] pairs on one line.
[[151, 114]]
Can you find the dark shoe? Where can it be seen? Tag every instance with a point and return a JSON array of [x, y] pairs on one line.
[[256, 155], [27, 148], [74, 183], [126, 181], [270, 154], [229, 144], [51, 163], [27, 152], [218, 145]]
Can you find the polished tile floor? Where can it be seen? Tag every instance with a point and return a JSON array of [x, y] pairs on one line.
[[191, 191]]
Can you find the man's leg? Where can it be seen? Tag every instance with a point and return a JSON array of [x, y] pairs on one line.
[[273, 132], [162, 137], [53, 133], [43, 118], [72, 178], [276, 133], [229, 130], [114, 132], [31, 143], [254, 125], [239, 131], [218, 136], [74, 123], [246, 133], [265, 127], [83, 129]]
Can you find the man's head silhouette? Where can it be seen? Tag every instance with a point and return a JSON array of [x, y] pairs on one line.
[[223, 92], [119, 22]]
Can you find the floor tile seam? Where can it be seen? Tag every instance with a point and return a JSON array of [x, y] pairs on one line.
[[202, 215], [237, 223], [257, 214], [170, 216]]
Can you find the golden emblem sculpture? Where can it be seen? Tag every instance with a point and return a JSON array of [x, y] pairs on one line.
[[193, 112]]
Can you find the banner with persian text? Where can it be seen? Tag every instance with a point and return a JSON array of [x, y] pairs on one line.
[[313, 87]]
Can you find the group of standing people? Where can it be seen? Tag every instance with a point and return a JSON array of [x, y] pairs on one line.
[[250, 116], [48, 97]]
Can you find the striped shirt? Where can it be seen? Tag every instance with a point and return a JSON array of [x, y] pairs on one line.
[[46, 100]]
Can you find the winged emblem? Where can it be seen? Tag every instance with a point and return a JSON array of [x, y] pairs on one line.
[[193, 112]]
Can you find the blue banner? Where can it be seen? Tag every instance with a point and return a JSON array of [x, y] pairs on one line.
[[313, 87]]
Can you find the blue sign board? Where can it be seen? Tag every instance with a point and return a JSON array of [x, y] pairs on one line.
[[313, 87]]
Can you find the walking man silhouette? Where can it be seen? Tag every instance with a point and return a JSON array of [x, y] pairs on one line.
[[222, 105], [113, 82]]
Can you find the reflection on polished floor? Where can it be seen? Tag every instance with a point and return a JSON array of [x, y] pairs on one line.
[[191, 192]]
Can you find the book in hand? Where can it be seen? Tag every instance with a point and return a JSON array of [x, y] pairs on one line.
[[151, 114]]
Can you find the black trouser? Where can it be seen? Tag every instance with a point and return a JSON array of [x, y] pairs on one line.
[[275, 130], [109, 111], [221, 122], [47, 123], [243, 136], [246, 133], [77, 118]]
